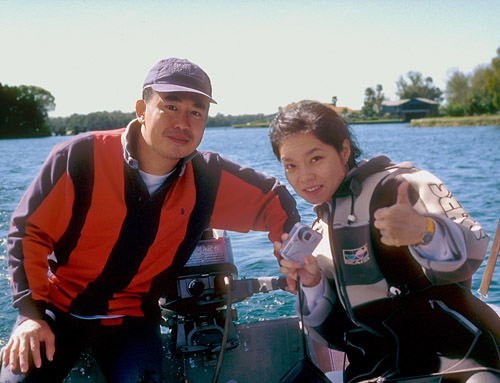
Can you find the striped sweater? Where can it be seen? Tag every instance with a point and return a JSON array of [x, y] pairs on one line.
[[89, 239]]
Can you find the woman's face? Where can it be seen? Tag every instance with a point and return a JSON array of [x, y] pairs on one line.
[[314, 169]]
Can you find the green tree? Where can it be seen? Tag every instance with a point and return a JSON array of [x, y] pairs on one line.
[[368, 108], [478, 93], [480, 102], [43, 98], [417, 86], [492, 81], [23, 111], [379, 98], [373, 101], [458, 93]]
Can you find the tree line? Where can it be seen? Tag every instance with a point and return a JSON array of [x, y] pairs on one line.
[[24, 113], [24, 109], [474, 93], [78, 123], [466, 94], [229, 120]]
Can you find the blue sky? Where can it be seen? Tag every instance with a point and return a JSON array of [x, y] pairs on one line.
[[93, 55]]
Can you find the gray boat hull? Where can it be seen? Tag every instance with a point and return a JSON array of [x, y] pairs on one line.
[[266, 351]]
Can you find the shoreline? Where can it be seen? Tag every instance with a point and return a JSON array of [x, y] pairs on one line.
[[484, 120], [372, 122]]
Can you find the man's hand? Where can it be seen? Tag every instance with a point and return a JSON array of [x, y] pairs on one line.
[[400, 224], [309, 274], [26, 338]]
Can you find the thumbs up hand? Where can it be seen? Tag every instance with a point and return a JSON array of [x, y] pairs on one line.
[[400, 224]]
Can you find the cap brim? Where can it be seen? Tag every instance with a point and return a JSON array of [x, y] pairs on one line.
[[163, 88]]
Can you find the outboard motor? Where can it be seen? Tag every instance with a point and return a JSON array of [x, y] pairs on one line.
[[197, 315], [200, 284]]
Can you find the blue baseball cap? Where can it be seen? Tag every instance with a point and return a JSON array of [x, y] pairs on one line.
[[179, 75]]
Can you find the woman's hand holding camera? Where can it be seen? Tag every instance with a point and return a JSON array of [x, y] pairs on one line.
[[309, 274]]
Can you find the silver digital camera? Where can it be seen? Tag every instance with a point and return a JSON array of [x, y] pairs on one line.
[[301, 242]]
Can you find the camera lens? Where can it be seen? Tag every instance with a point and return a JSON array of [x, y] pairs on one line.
[[196, 287], [303, 233]]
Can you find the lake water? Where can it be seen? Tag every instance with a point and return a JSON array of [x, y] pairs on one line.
[[466, 159]]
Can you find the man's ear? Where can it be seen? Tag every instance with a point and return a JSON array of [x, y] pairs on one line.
[[140, 109]]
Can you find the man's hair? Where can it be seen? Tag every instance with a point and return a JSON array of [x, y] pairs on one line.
[[316, 118], [147, 94]]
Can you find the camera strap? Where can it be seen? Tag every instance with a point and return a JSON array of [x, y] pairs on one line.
[[303, 334]]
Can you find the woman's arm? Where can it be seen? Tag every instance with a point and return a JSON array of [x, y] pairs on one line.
[[422, 195]]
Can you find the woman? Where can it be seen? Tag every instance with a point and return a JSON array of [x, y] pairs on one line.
[[395, 294]]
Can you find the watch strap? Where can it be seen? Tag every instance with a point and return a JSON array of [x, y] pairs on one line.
[[429, 232]]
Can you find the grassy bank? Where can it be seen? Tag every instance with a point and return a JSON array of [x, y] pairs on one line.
[[422, 122], [259, 124], [375, 121], [457, 121], [254, 124]]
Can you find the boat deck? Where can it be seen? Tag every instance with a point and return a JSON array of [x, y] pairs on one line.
[[266, 351]]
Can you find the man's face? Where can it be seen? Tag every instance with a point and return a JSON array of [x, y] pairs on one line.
[[172, 128]]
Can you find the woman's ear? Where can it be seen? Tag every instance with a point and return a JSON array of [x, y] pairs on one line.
[[346, 150]]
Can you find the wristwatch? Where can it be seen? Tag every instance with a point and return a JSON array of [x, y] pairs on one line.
[[428, 233]]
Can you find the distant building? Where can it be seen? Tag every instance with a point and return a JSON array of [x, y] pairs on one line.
[[409, 109], [343, 111], [340, 109]]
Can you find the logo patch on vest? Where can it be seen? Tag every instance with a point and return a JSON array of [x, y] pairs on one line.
[[356, 256]]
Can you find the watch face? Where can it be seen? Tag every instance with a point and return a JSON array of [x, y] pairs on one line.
[[426, 238]]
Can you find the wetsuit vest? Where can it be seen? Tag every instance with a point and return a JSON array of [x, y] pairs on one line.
[[391, 308]]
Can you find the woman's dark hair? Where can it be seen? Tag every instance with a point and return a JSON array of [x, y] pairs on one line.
[[317, 118]]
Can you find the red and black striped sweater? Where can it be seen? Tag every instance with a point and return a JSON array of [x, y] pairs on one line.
[[89, 239]]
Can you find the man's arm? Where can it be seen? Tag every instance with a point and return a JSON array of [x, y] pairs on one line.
[[249, 200], [37, 223]]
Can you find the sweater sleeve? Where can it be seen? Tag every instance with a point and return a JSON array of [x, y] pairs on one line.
[[324, 315], [249, 200], [318, 302], [437, 249], [37, 222]]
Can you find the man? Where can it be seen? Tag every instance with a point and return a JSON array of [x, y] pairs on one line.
[[108, 222]]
